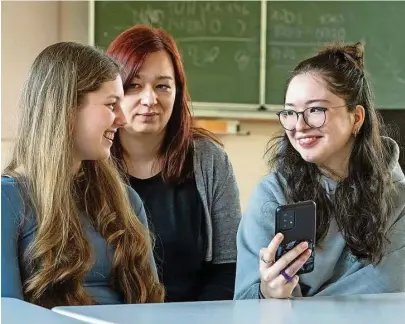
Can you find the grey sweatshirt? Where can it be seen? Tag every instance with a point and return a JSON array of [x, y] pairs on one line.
[[337, 271]]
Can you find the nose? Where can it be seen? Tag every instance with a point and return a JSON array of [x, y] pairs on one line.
[[301, 124], [148, 97], [120, 119]]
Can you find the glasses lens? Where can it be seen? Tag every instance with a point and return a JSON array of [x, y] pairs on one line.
[[314, 117], [288, 119]]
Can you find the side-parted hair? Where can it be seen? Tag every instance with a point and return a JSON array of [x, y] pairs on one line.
[[60, 255], [131, 48], [362, 201]]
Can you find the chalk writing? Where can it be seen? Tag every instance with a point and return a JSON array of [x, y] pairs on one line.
[[331, 19], [147, 15], [242, 59], [327, 33], [201, 57], [286, 16]]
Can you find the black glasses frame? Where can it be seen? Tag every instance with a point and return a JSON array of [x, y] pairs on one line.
[[298, 113]]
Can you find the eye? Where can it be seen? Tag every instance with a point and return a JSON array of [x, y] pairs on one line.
[[134, 86], [286, 113], [316, 110], [111, 106], [163, 86]]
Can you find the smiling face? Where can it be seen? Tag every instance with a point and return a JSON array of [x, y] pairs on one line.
[[149, 100], [330, 145], [98, 118]]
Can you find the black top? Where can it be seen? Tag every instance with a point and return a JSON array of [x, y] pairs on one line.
[[176, 217]]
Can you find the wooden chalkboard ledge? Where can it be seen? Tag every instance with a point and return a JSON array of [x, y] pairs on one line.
[[235, 114]]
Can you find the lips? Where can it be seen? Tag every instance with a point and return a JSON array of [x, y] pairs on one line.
[[109, 135], [149, 114], [308, 141]]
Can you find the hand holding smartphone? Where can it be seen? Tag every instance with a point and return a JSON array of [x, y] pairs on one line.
[[297, 223]]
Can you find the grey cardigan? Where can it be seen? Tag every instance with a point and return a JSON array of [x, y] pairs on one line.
[[219, 194]]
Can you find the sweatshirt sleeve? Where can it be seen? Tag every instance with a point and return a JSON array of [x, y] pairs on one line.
[[256, 230], [11, 285], [386, 277]]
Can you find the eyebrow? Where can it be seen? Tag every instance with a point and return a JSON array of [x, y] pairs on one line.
[[308, 102], [160, 77], [114, 97]]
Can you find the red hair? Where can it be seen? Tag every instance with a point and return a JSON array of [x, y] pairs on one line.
[[131, 48]]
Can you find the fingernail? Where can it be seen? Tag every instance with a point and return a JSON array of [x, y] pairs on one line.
[[308, 252], [279, 236], [304, 245]]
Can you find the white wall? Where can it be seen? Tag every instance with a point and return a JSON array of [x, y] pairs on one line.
[[30, 26], [27, 27]]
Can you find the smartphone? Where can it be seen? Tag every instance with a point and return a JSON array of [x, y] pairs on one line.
[[297, 222]]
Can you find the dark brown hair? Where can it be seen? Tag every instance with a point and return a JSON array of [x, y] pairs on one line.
[[131, 48], [362, 202]]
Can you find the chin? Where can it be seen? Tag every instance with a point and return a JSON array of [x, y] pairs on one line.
[[103, 156], [310, 157], [149, 130]]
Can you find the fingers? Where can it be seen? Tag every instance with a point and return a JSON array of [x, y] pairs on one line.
[[267, 255], [279, 287], [273, 283], [286, 259], [284, 287], [293, 268]]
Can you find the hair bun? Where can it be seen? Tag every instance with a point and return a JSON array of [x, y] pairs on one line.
[[354, 52]]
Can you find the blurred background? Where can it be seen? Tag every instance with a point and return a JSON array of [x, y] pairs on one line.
[[237, 56]]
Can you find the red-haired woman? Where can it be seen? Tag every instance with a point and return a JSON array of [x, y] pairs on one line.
[[181, 173]]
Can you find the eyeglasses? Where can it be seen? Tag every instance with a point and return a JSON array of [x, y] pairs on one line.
[[314, 117]]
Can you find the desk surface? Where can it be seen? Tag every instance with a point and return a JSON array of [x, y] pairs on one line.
[[15, 311], [370, 309]]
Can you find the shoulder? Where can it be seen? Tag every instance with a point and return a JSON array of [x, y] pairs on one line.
[[268, 193], [10, 191], [211, 157], [397, 190], [12, 203], [137, 204], [206, 147], [134, 199], [8, 184]]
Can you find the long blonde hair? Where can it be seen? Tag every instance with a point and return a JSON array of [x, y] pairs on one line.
[[60, 255]]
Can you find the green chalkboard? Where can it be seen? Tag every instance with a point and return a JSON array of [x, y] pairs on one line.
[[296, 30], [219, 41]]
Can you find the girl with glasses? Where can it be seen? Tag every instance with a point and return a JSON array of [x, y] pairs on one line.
[[332, 152]]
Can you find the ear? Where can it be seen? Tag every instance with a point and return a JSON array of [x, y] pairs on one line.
[[359, 115]]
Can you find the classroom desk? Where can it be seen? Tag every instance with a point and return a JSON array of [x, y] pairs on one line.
[[15, 311], [370, 309]]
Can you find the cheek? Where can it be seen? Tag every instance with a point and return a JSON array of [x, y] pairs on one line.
[[167, 103], [339, 132], [80, 127], [290, 136], [129, 103]]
